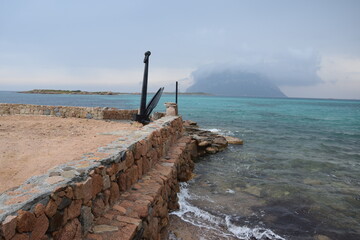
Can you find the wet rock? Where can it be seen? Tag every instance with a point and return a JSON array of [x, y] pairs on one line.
[[253, 190], [203, 143], [321, 237], [221, 141], [211, 150], [310, 181], [188, 123], [207, 142], [234, 140]]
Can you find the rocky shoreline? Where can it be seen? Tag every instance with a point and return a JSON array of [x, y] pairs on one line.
[[208, 142]]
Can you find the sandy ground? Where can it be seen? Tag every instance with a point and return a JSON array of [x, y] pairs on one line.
[[31, 145]]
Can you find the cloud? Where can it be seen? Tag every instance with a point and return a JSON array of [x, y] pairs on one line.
[[340, 69], [106, 79], [340, 77], [294, 67]]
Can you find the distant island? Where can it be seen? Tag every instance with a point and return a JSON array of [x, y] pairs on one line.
[[53, 91], [79, 92]]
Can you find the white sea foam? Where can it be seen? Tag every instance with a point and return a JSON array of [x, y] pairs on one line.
[[230, 191], [222, 225], [228, 132], [215, 130]]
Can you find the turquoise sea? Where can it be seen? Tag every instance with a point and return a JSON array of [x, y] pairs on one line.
[[297, 176]]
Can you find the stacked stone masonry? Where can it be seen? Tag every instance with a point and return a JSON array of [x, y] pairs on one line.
[[126, 194], [64, 111]]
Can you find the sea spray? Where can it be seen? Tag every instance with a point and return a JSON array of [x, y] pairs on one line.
[[220, 224]]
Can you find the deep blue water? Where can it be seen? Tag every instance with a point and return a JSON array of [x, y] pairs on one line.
[[296, 177]]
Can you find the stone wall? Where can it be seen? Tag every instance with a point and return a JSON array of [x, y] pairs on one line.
[[137, 176], [64, 111]]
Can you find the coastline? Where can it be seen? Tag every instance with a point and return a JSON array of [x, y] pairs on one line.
[[80, 92], [129, 188]]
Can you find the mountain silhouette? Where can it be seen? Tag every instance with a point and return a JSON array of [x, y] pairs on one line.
[[235, 83]]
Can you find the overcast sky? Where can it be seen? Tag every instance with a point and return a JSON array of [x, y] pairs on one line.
[[309, 48]]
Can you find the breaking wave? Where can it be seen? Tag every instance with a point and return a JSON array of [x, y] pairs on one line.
[[220, 224]]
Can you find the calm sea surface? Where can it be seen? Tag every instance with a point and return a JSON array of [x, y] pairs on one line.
[[296, 177]]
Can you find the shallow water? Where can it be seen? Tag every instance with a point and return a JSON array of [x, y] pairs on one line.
[[296, 176]]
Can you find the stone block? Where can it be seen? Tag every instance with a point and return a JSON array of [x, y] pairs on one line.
[[97, 184], [69, 193], [72, 230], [51, 208], [21, 236], [112, 170], [65, 202], [161, 209], [163, 222], [132, 176], [73, 210], [141, 149], [120, 209], [146, 165], [100, 170], [9, 227], [104, 228], [114, 193], [98, 206], [142, 208], [122, 181], [40, 228], [152, 154], [86, 218], [106, 197], [139, 164], [25, 221], [106, 182], [83, 190], [151, 230], [129, 160], [56, 221], [129, 220], [39, 210]]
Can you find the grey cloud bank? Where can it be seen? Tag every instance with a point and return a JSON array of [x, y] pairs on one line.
[[297, 45], [230, 82], [258, 76]]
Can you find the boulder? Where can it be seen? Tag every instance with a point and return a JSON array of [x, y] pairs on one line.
[[234, 140]]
